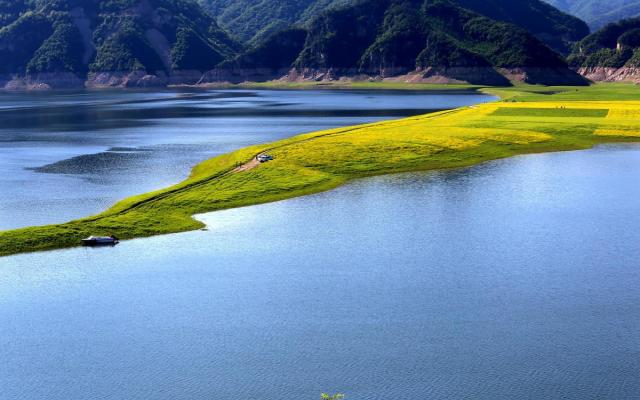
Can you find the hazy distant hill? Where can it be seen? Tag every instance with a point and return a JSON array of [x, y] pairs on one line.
[[598, 13], [392, 37], [250, 19], [62, 41]]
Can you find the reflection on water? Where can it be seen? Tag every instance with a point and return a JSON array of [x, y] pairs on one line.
[[68, 155], [516, 279]]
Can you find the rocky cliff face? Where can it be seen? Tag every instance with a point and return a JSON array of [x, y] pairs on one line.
[[607, 74]]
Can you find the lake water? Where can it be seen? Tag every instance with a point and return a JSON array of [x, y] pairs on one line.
[[515, 279], [69, 155]]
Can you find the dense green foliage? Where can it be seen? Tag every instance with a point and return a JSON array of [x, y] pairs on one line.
[[502, 44], [81, 36], [252, 19], [614, 46], [394, 36], [87, 37], [547, 23], [126, 50], [277, 51], [20, 39], [339, 38], [62, 51], [598, 13], [443, 51], [192, 51]]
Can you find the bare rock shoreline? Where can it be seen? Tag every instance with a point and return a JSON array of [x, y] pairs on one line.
[[454, 75], [605, 74], [67, 80], [436, 75]]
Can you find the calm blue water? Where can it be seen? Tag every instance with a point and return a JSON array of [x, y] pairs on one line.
[[516, 279], [68, 155]]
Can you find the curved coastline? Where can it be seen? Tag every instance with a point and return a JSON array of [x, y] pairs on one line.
[[528, 120]]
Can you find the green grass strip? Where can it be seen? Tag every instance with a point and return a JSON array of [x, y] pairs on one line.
[[551, 112], [318, 161]]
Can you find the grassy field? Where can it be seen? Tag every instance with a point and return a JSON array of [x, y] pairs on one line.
[[527, 120]]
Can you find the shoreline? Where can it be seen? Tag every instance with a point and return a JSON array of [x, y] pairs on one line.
[[320, 161], [271, 85]]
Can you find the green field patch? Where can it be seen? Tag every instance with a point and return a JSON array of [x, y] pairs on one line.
[[551, 112]]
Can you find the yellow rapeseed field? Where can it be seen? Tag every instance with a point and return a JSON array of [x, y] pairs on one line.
[[528, 120]]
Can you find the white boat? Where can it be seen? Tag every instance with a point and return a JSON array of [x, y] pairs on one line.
[[100, 241]]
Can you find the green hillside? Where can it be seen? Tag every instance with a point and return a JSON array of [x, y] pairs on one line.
[[616, 45], [554, 27], [84, 36], [389, 37], [278, 50], [598, 13], [155, 42], [251, 20], [254, 19]]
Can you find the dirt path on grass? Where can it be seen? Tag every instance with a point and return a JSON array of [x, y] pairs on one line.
[[247, 166], [244, 167]]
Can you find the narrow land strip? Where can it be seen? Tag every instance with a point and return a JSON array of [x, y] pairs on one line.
[[528, 120]]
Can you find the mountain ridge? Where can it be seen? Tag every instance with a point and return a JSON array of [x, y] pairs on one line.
[[252, 20], [73, 43], [432, 41], [64, 42]]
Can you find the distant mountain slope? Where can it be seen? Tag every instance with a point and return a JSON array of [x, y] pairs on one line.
[[613, 46], [437, 40], [60, 42], [547, 23], [254, 19], [598, 13], [610, 54]]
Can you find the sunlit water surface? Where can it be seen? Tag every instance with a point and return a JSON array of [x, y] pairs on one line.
[[68, 155], [516, 279]]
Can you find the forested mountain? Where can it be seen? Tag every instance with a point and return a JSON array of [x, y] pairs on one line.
[[72, 39], [251, 20], [598, 13], [554, 27], [255, 19], [155, 42], [610, 54], [394, 37]]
